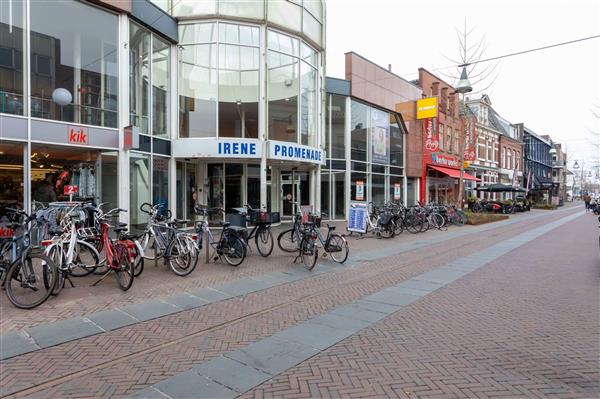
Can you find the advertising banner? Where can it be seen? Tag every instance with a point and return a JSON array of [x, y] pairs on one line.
[[380, 137], [360, 190], [397, 192], [432, 143], [357, 217], [470, 140]]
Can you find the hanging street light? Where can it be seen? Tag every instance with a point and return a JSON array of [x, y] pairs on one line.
[[463, 87]]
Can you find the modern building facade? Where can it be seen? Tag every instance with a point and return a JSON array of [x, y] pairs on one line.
[[218, 103], [365, 138]]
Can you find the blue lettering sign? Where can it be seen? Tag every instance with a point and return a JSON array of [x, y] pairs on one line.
[[226, 148], [252, 149]]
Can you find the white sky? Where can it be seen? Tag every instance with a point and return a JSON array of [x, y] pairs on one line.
[[551, 91]]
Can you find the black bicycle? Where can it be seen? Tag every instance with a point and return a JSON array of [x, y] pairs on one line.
[[289, 239], [229, 246], [28, 276], [261, 231]]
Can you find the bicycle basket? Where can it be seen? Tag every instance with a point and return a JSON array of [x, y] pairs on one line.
[[315, 219], [385, 218], [264, 217]]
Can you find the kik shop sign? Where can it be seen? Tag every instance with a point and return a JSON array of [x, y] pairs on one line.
[[294, 152], [62, 133]]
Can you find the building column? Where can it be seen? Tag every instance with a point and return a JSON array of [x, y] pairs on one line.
[[123, 118], [263, 178], [348, 154]]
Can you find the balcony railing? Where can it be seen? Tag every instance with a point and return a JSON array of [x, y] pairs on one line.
[[558, 163]]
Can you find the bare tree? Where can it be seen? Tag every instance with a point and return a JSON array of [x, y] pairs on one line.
[[470, 50]]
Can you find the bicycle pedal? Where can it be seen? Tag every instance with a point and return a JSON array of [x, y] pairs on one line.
[[216, 258]]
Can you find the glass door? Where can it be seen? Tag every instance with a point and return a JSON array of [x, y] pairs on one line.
[[288, 194]]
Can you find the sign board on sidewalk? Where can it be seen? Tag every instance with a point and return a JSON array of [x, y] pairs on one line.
[[305, 210], [357, 217]]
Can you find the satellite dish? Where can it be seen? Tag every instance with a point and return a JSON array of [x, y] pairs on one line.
[[62, 96]]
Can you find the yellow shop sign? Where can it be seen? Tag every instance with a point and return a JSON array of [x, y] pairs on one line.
[[427, 108]]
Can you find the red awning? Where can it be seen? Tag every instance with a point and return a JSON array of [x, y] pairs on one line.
[[454, 173]]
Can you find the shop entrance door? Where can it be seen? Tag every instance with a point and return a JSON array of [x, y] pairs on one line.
[[294, 188]]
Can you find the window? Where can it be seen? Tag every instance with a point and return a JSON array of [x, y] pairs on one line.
[[238, 80], [12, 55], [139, 77], [396, 142], [83, 69], [358, 134], [337, 110], [139, 187], [160, 87], [441, 136], [448, 139], [308, 104]]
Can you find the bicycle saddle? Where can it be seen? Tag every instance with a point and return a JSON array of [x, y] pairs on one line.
[[120, 228], [56, 232], [331, 227]]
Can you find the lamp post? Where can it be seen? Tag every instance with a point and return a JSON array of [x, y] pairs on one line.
[[576, 166], [463, 87]]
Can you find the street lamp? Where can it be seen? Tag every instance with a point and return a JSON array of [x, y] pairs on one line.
[[463, 87]]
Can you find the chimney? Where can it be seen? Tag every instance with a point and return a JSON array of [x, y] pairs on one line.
[[390, 67]]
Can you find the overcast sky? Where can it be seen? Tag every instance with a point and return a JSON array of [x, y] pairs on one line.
[[551, 91]]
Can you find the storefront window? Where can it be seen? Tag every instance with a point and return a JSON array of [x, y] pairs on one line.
[[74, 63], [244, 9], [378, 189], [253, 186], [11, 173], [283, 86], [234, 172], [187, 8], [139, 188], [160, 181], [308, 102], [338, 116], [339, 192], [12, 57], [94, 173], [411, 196], [139, 70], [358, 186], [215, 190], [396, 183], [160, 87], [358, 141], [325, 194], [396, 142]]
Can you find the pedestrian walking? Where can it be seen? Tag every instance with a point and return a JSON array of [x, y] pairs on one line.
[[587, 199]]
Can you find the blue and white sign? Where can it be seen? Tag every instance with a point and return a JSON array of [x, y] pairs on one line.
[[217, 148], [295, 152], [357, 217]]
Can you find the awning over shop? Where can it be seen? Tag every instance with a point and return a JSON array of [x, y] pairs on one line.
[[454, 173]]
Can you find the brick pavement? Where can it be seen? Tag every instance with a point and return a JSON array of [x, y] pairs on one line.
[[158, 281], [525, 325], [146, 362]]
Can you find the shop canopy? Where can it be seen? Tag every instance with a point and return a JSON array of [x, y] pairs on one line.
[[498, 188], [454, 173]]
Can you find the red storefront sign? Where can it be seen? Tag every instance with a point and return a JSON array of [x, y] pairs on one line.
[[77, 135], [470, 140], [432, 142]]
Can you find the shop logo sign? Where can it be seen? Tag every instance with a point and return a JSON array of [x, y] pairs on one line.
[[439, 159], [78, 135]]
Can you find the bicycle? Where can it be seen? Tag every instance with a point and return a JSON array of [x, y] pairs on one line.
[[308, 249], [289, 239], [27, 275], [229, 246], [261, 231], [176, 247], [334, 245], [381, 222]]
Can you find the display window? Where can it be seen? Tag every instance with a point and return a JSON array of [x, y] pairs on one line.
[[139, 188], [11, 173], [60, 173]]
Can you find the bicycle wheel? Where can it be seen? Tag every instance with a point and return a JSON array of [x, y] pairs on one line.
[[387, 231], [398, 226], [309, 252], [138, 263], [30, 280], [57, 256], [85, 259], [264, 241], [288, 241], [149, 244], [180, 257], [124, 269], [232, 250], [338, 248], [437, 220], [413, 224]]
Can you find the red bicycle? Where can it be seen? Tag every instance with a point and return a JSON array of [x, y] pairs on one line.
[[121, 253]]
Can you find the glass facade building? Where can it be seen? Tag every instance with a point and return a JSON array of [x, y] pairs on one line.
[[222, 106]]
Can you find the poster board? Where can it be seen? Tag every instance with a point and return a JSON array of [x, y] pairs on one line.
[[357, 217]]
